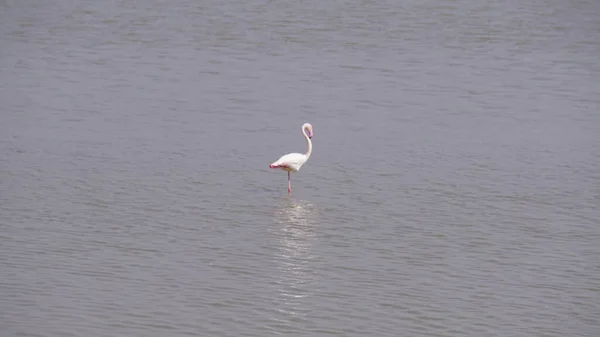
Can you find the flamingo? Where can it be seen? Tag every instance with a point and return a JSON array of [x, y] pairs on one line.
[[292, 162]]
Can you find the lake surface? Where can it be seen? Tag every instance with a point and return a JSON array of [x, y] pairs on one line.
[[453, 189]]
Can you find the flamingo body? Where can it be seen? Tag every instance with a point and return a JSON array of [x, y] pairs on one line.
[[292, 162]]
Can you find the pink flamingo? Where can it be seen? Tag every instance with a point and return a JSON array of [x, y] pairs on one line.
[[292, 162]]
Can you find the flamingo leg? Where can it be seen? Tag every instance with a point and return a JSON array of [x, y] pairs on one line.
[[289, 184]]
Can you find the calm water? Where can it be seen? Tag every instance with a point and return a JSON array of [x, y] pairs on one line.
[[454, 187]]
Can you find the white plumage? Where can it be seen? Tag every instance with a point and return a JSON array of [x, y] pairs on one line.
[[292, 162]]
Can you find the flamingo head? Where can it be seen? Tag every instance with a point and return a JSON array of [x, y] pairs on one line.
[[308, 129]]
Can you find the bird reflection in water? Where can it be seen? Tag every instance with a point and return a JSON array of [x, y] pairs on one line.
[[295, 256]]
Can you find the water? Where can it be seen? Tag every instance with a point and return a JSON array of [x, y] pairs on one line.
[[453, 190]]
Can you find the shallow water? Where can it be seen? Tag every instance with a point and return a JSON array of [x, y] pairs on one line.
[[453, 188]]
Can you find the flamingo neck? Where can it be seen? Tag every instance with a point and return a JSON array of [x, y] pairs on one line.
[[308, 152]]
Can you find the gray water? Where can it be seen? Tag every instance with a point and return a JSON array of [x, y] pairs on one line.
[[453, 189]]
